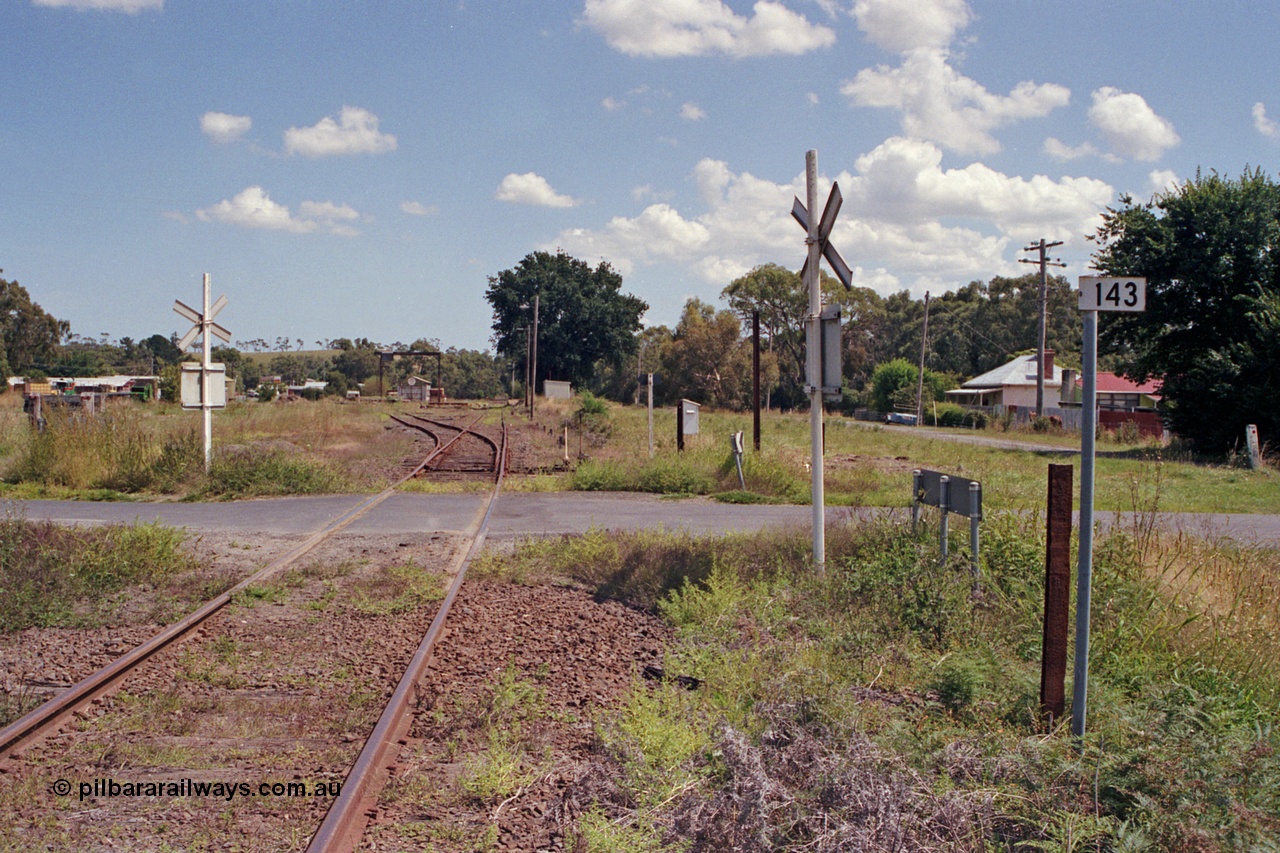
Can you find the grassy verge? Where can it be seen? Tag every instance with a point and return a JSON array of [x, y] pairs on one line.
[[136, 450], [888, 704], [78, 577], [868, 465]]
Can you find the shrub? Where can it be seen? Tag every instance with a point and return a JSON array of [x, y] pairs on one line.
[[269, 472], [668, 476], [600, 476]]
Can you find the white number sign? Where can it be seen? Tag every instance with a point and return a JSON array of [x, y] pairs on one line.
[[1098, 293]]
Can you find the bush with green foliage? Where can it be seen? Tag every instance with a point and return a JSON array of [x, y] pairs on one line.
[[894, 384], [896, 687], [1211, 329]]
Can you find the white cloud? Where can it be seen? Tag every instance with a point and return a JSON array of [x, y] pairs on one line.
[[417, 208], [612, 104], [1059, 150], [666, 28], [902, 180], [939, 104], [224, 127], [131, 7], [355, 132], [692, 112], [1264, 125], [1129, 124], [1163, 180], [531, 188], [253, 208], [905, 25], [906, 221]]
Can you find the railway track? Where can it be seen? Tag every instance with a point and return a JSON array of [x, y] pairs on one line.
[[460, 449], [470, 452]]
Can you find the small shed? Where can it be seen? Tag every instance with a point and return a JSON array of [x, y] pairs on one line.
[[414, 389], [555, 389]]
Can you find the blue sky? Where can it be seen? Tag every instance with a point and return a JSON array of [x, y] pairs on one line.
[[361, 169]]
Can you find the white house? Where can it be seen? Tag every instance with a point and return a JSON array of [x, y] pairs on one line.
[[1011, 385]]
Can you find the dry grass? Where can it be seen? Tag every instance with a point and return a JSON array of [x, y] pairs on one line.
[[891, 706]]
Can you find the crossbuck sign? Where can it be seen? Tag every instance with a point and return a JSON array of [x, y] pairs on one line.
[[818, 242], [206, 389]]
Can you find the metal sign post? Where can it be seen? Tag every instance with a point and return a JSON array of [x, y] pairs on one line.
[[1097, 293], [818, 232], [203, 327], [949, 494]]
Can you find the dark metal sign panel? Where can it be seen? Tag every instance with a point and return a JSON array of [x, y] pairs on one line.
[[961, 496]]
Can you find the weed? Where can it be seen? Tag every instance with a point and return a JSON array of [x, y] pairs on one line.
[[256, 473], [51, 575], [885, 706], [395, 589], [497, 773], [596, 833]]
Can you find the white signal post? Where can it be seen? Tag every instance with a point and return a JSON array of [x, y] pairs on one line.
[[1097, 293], [818, 232], [204, 327]]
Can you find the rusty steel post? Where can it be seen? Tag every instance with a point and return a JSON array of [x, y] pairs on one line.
[[1057, 596]]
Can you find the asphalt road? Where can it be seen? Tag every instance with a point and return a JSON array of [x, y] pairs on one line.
[[522, 514]]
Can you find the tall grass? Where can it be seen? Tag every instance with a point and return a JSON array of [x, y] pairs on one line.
[[52, 575], [888, 704], [259, 449], [119, 449]]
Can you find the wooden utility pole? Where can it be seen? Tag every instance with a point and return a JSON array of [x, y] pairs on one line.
[[533, 387], [924, 343], [755, 380], [1044, 263]]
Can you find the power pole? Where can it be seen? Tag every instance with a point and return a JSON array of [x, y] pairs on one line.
[[755, 380], [1044, 263], [533, 387], [924, 343]]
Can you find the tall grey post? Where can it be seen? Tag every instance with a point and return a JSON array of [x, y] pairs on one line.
[[812, 342], [1084, 568], [650, 386]]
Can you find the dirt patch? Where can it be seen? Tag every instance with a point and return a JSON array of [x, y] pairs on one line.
[[506, 714], [891, 464]]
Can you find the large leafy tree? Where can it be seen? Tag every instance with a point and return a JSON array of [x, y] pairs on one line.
[[29, 336], [709, 361], [783, 302], [1210, 250], [584, 318]]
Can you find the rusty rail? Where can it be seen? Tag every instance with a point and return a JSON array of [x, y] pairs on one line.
[[349, 813]]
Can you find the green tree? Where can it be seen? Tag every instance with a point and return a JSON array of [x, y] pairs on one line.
[[709, 361], [357, 360], [1210, 251], [780, 296], [894, 385], [472, 374], [29, 336], [583, 316], [163, 350]]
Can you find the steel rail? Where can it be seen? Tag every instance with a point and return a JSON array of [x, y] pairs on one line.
[[438, 460], [349, 812], [24, 732]]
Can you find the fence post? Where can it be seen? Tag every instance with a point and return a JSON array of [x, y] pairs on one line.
[[1057, 595], [916, 477], [975, 515], [1255, 452], [944, 504]]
